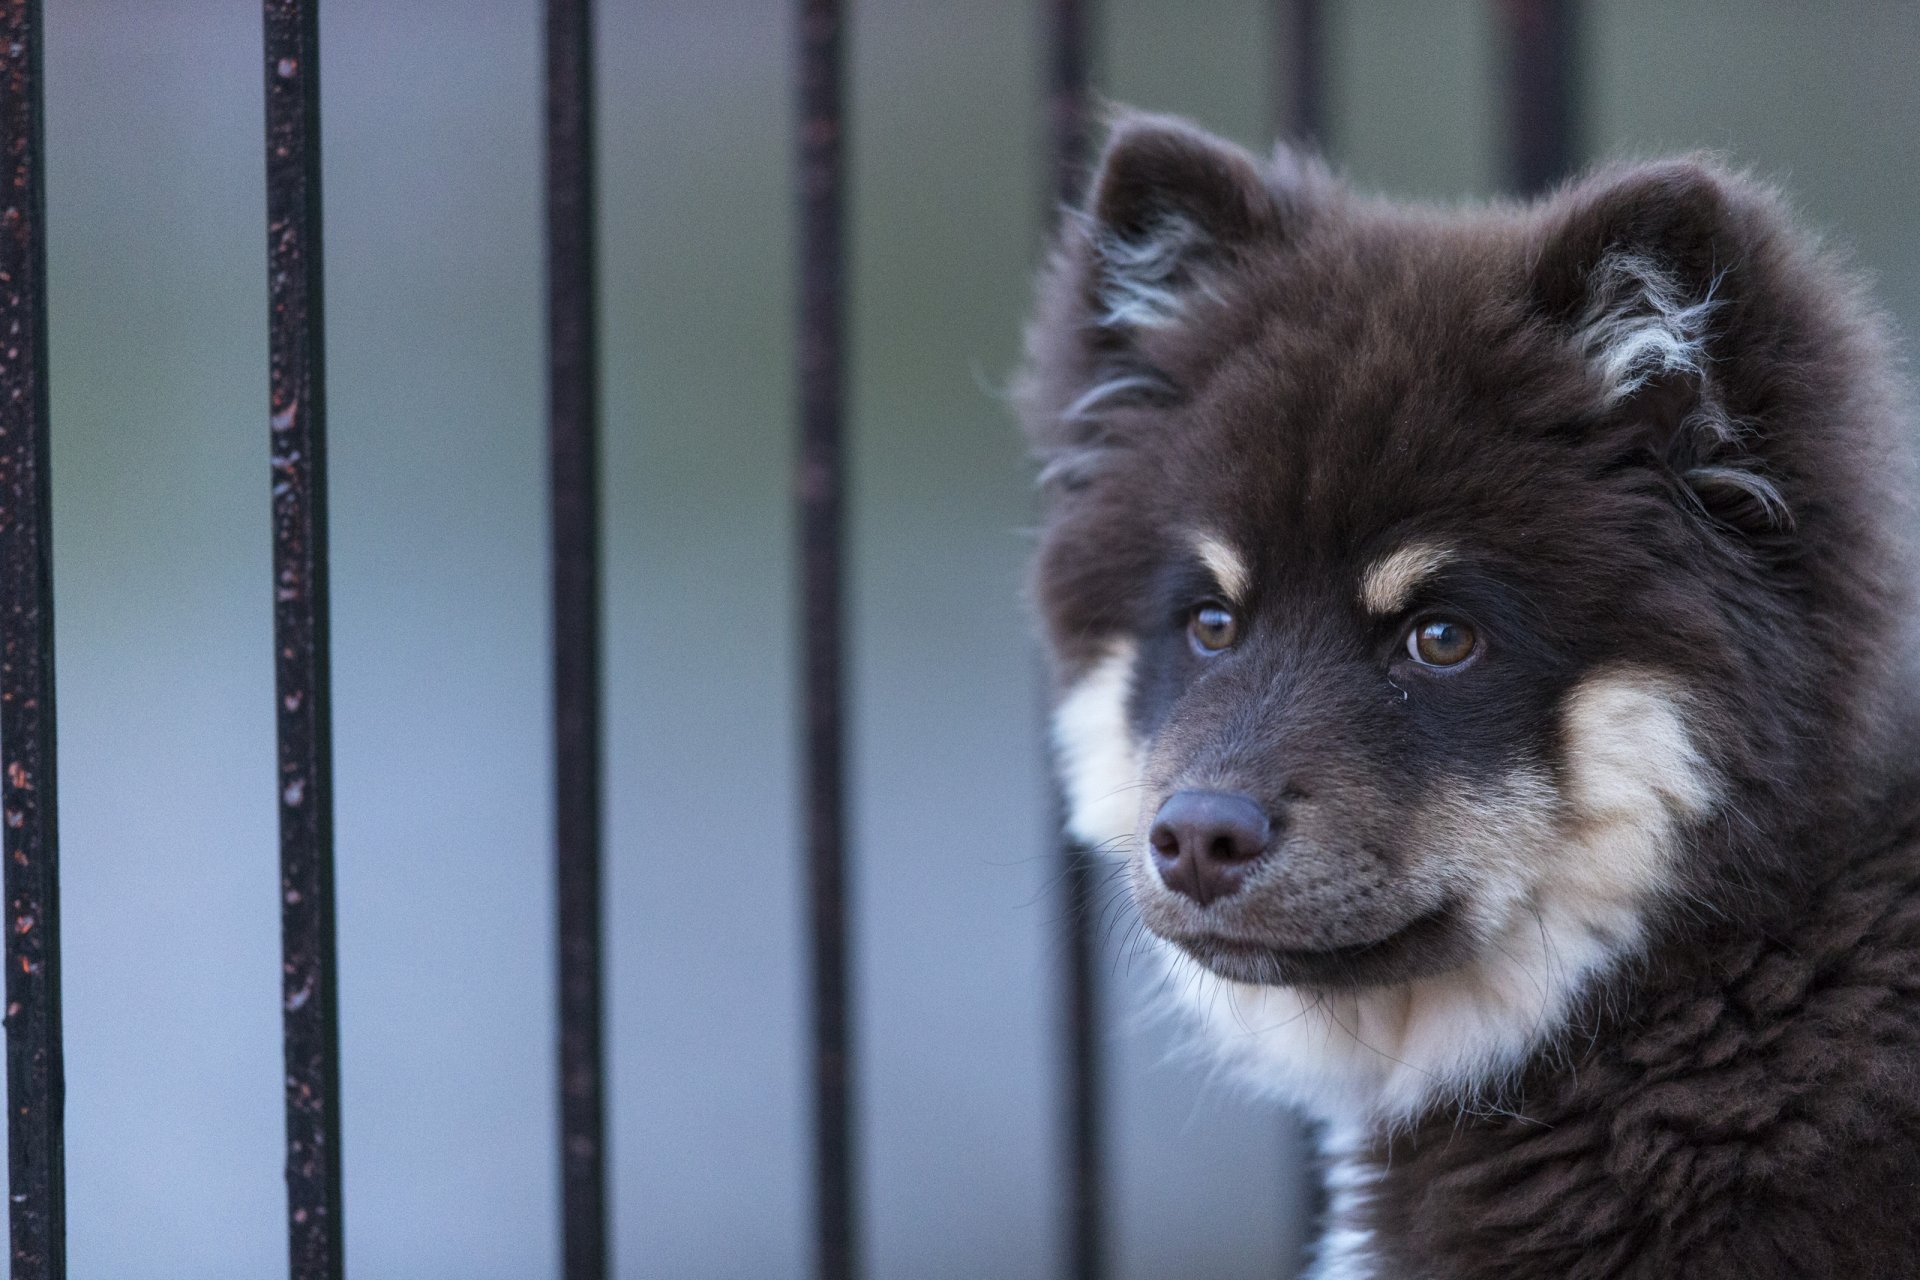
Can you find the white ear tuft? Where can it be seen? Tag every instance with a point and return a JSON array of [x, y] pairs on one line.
[[1637, 325], [1140, 284], [1639, 329]]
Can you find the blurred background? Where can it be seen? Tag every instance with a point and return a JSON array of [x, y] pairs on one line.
[[156, 203]]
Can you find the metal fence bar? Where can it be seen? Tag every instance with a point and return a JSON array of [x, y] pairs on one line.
[[1300, 109], [1068, 41], [1301, 116], [36, 1086], [297, 429], [573, 454], [1542, 134], [819, 482]]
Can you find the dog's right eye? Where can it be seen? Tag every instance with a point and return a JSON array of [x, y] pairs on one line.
[[1212, 627], [1441, 642]]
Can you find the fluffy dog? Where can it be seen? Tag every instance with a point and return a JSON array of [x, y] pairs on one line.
[[1480, 634]]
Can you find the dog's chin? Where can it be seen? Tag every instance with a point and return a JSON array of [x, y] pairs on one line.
[[1428, 944]]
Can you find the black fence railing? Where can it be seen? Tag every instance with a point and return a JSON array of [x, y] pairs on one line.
[[573, 425], [819, 482], [297, 431], [1300, 57], [1068, 45], [36, 1083], [1542, 120], [1540, 63]]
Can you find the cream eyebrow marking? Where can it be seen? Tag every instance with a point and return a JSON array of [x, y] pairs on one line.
[[1226, 566], [1390, 581]]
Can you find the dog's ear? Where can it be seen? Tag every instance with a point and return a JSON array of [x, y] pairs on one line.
[[1166, 202], [1646, 268], [1170, 212]]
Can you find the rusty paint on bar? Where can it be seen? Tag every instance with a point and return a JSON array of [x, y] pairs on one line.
[[297, 432], [819, 479], [36, 1086], [1542, 39], [1300, 110], [1068, 40], [573, 469]]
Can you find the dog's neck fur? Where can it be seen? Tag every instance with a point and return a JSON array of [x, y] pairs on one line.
[[1730, 1076]]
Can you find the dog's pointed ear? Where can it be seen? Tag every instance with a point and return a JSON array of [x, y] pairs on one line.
[[1166, 201], [1633, 264], [1170, 216], [1645, 269], [1673, 212]]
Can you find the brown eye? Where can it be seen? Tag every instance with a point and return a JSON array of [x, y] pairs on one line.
[[1213, 628], [1440, 643]]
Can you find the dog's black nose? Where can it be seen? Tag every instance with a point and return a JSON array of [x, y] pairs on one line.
[[1205, 842]]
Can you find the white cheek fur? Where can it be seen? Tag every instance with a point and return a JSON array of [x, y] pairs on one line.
[[1099, 761]]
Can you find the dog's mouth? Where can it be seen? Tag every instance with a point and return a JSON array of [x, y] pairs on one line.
[[1429, 943]]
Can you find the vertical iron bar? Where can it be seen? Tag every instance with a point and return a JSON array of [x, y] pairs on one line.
[[1300, 111], [1300, 115], [819, 481], [1542, 136], [573, 422], [36, 1085], [1068, 43], [1084, 1082], [297, 429]]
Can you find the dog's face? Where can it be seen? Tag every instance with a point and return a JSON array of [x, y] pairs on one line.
[[1367, 712], [1422, 586]]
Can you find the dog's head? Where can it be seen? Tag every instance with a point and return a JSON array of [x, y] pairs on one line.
[[1420, 580]]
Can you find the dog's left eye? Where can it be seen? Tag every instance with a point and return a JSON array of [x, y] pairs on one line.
[[1441, 642], [1213, 627]]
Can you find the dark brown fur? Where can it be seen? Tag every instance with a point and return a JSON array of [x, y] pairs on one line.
[[1744, 1100], [1750, 1109]]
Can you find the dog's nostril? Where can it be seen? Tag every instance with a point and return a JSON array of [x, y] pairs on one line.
[[1226, 850], [1204, 842]]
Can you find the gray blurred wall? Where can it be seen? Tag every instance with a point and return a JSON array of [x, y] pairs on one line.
[[158, 315]]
